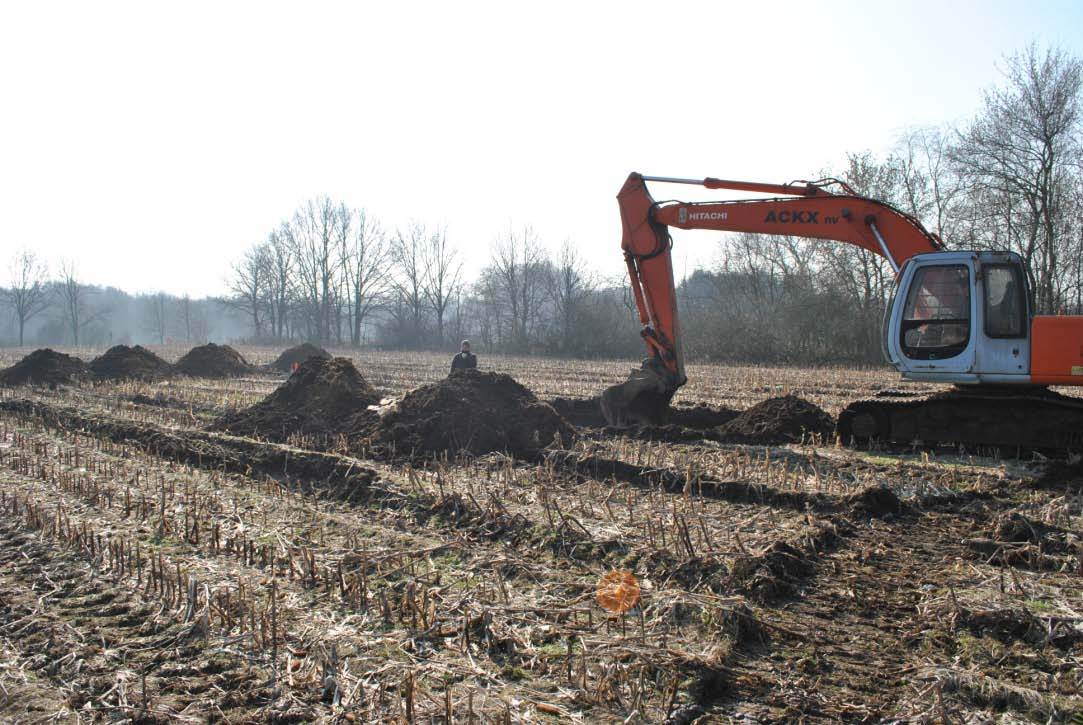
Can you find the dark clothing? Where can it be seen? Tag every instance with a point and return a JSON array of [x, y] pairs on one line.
[[463, 361]]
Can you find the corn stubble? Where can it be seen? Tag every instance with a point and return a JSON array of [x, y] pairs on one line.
[[805, 582]]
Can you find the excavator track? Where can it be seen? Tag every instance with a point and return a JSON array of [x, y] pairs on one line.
[[1030, 418]]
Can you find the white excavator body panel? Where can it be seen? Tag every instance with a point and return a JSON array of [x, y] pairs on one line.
[[961, 317]]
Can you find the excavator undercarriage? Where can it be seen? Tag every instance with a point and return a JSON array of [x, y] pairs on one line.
[[1006, 417]]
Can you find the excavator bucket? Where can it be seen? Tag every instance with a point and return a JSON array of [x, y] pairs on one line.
[[642, 399]]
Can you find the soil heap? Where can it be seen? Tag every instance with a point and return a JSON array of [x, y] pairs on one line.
[[777, 420], [297, 355], [121, 362], [213, 361], [323, 397], [474, 412], [45, 367]]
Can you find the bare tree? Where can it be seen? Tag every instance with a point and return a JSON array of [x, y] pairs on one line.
[[1021, 155], [932, 191], [155, 316], [441, 268], [184, 313], [76, 310], [315, 233], [280, 267], [28, 294], [248, 286], [407, 254], [518, 266], [364, 256], [571, 285]]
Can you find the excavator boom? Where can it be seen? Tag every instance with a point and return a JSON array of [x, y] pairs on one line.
[[804, 209]]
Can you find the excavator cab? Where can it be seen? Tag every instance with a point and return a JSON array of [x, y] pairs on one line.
[[960, 317]]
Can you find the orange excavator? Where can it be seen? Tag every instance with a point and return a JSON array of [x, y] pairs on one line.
[[958, 317]]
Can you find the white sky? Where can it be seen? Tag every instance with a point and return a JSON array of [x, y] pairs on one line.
[[153, 143]]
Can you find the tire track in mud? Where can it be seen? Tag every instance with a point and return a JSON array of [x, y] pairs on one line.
[[104, 651], [859, 644]]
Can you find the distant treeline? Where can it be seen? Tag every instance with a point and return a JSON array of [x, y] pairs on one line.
[[1010, 178]]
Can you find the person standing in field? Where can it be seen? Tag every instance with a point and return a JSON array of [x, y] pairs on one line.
[[465, 359]]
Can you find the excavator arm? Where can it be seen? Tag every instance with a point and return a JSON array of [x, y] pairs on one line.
[[801, 209]]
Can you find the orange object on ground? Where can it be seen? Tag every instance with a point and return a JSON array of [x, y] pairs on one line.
[[618, 591]]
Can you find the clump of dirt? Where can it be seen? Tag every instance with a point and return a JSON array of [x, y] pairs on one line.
[[297, 355], [875, 501], [45, 367], [472, 412], [121, 362], [213, 361], [323, 397], [788, 419]]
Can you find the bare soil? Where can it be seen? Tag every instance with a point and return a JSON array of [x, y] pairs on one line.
[[788, 419], [121, 362], [153, 571], [297, 355], [323, 398], [472, 412], [213, 361], [46, 367]]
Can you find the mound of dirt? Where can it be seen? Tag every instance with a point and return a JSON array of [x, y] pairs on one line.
[[121, 362], [777, 420], [876, 501], [323, 397], [297, 355], [45, 367], [474, 412], [213, 361]]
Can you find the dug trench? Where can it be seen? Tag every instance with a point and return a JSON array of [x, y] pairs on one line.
[[891, 586]]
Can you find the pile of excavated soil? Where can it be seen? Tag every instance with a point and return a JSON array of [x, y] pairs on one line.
[[45, 367], [297, 355], [323, 397], [121, 362], [213, 361], [473, 412], [777, 420]]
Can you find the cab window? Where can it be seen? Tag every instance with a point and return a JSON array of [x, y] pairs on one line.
[[936, 319], [1004, 309]]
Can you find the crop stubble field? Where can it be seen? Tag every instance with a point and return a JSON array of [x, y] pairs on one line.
[[151, 571]]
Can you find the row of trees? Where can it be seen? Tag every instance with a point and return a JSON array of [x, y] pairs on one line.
[[334, 275], [59, 308]]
